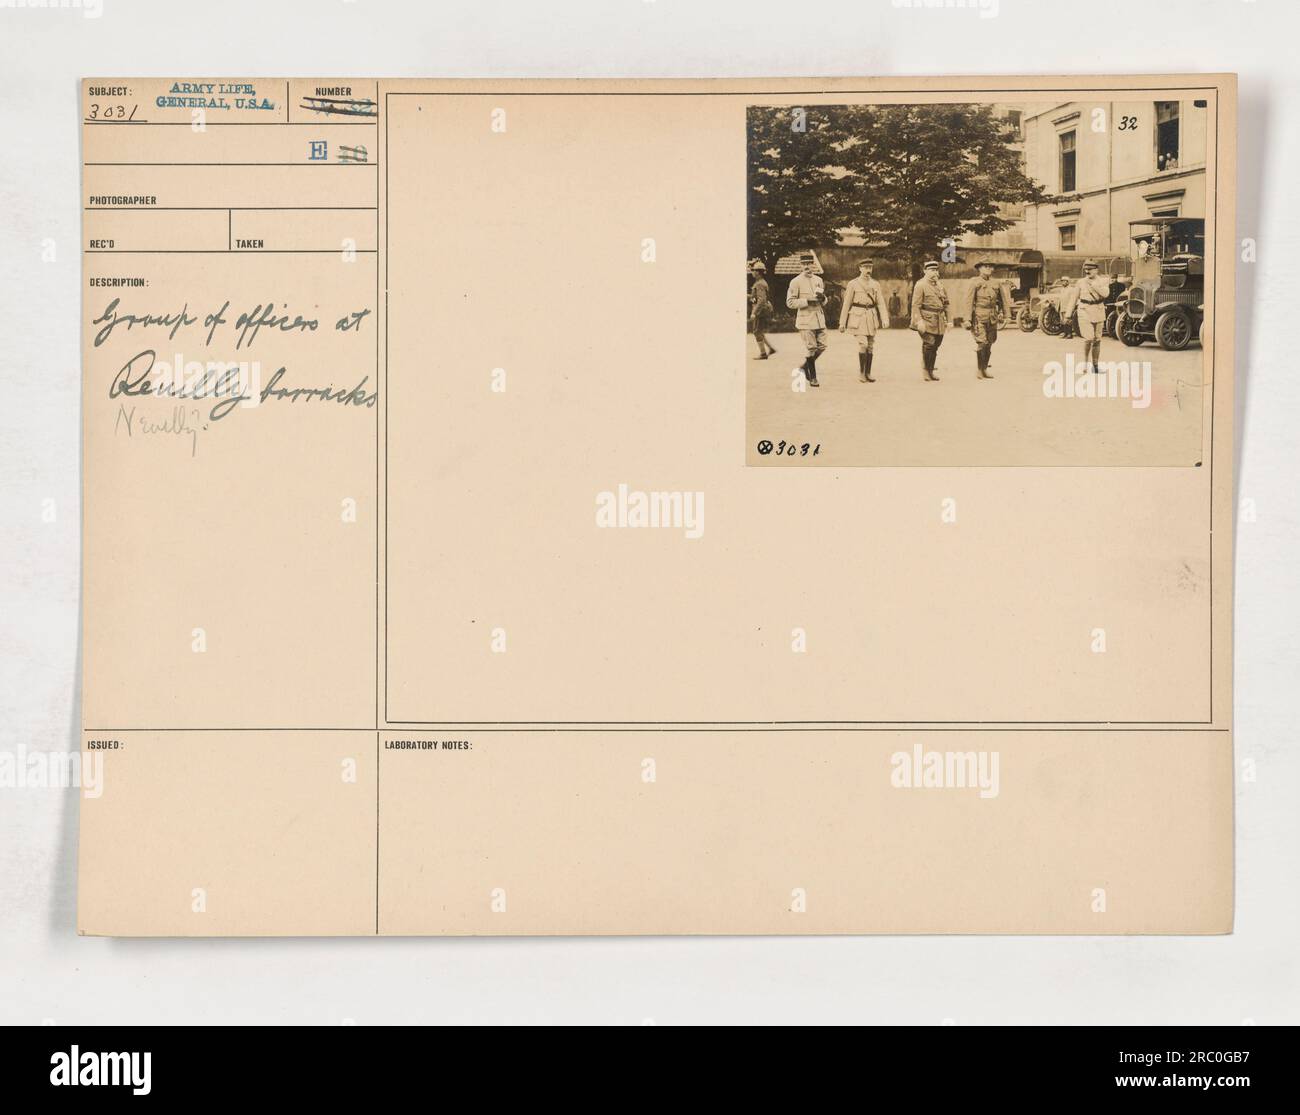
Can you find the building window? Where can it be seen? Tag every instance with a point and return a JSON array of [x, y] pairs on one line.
[[1166, 135], [1014, 118], [1067, 162], [1067, 237]]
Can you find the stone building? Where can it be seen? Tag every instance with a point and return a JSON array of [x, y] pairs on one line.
[[1111, 163]]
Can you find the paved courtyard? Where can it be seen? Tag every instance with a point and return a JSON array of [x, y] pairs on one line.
[[1009, 420]]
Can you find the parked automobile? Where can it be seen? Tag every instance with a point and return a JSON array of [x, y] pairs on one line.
[[1164, 303]]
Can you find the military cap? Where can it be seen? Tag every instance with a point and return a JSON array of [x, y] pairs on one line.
[[758, 265], [866, 263], [985, 263], [1089, 263], [806, 257], [930, 263]]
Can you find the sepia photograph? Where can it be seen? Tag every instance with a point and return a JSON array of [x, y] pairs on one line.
[[977, 284]]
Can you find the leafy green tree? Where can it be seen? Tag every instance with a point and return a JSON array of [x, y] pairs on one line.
[[793, 200], [909, 177]]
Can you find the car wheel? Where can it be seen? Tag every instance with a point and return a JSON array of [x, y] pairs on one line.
[[1127, 331], [1174, 330], [1109, 328], [1026, 320]]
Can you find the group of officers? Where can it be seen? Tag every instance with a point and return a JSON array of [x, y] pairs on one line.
[[864, 312]]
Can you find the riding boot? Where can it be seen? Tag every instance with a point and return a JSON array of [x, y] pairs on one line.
[[867, 366]]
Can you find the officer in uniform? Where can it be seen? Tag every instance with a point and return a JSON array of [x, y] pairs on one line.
[[930, 316], [862, 313], [987, 305], [760, 308], [807, 296], [1091, 293]]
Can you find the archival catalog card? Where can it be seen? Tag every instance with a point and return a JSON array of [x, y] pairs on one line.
[[575, 507]]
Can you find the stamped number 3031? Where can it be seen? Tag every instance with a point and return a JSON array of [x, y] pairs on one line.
[[788, 448]]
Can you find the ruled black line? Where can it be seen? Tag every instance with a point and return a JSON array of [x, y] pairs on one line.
[[1028, 93], [433, 727], [245, 123], [236, 208], [222, 251], [919, 725], [624, 730], [387, 198], [245, 728], [310, 163], [1214, 301]]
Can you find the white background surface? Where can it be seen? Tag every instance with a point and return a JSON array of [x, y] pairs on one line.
[[47, 972]]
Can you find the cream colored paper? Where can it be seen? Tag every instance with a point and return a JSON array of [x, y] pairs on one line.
[[381, 662]]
